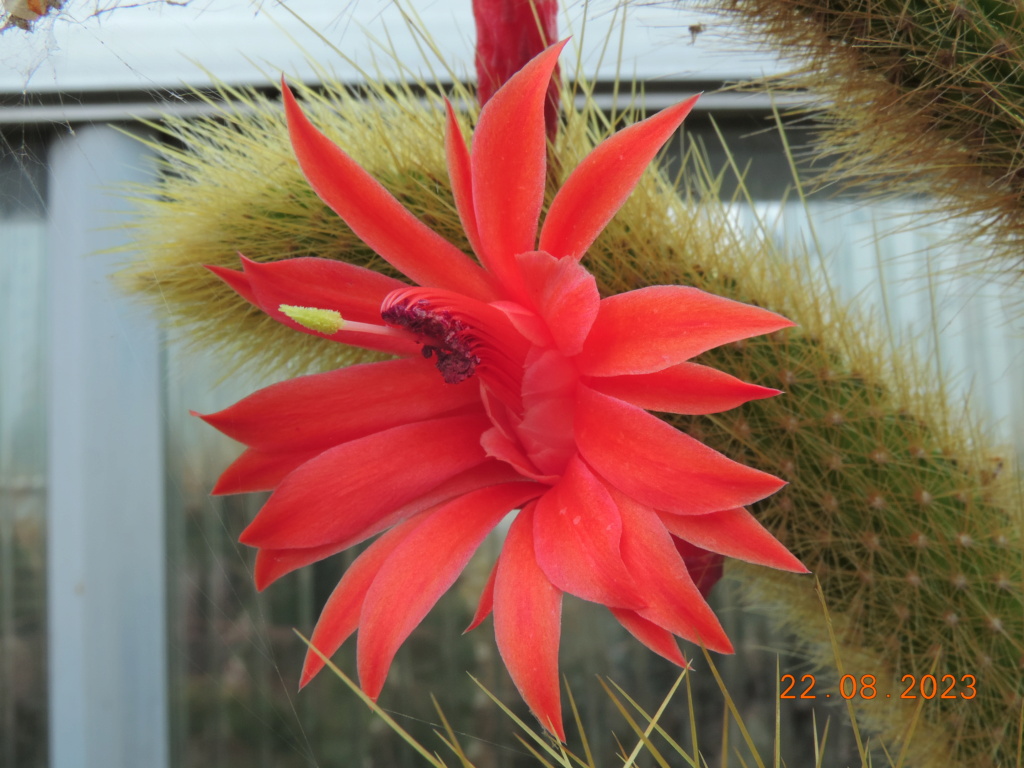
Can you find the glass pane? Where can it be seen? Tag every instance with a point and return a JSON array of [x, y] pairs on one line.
[[23, 685]]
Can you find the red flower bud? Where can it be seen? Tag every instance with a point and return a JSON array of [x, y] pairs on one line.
[[508, 34]]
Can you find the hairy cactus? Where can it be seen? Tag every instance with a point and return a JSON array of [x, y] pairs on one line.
[[907, 522], [923, 97]]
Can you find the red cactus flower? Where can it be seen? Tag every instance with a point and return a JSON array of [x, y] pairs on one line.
[[516, 388]]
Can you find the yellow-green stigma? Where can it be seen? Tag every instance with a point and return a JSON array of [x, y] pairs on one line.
[[325, 321]]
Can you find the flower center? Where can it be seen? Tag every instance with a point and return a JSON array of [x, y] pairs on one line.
[[448, 338]]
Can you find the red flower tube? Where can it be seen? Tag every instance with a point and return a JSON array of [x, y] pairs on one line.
[[508, 34]]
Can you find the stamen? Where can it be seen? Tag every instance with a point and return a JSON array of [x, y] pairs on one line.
[[453, 350], [329, 322]]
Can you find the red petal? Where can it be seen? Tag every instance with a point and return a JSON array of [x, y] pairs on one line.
[[509, 166], [576, 536], [260, 470], [705, 567], [321, 284], [674, 602], [527, 623], [735, 533], [548, 391], [650, 329], [460, 176], [650, 634], [599, 185], [340, 615], [684, 388], [238, 282], [272, 564], [376, 217], [355, 292], [564, 294], [657, 464], [486, 603], [503, 448], [326, 409], [349, 492], [421, 569]]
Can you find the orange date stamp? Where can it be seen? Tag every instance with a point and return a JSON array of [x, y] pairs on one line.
[[864, 687]]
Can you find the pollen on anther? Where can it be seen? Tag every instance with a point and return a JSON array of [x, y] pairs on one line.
[[325, 321]]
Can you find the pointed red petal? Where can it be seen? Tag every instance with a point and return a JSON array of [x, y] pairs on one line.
[[527, 624], [509, 165], [355, 292], [486, 603], [657, 464], [272, 564], [734, 533], [404, 590], [564, 294], [340, 615], [650, 329], [461, 177], [260, 470], [238, 282], [576, 533], [349, 492], [674, 602], [684, 388], [376, 216], [599, 185], [326, 409], [321, 284], [650, 634]]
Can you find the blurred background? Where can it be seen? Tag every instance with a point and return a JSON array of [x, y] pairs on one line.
[[130, 633]]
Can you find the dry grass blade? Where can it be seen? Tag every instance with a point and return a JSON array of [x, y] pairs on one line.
[[580, 729], [449, 738], [653, 723], [643, 734], [731, 705], [431, 758], [542, 741]]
